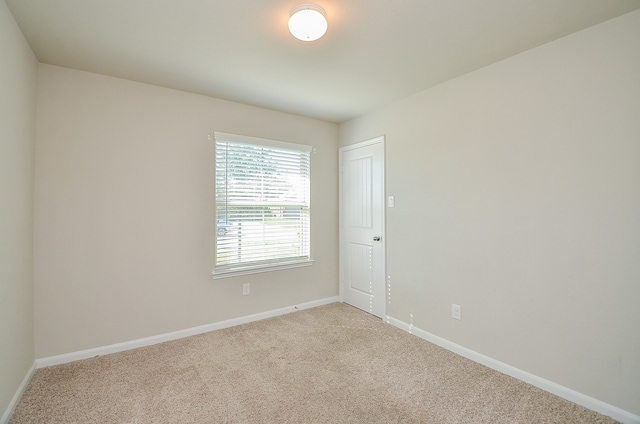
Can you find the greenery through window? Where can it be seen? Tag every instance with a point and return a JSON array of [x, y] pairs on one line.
[[262, 204]]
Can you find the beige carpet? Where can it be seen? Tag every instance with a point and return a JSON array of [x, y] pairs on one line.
[[332, 364]]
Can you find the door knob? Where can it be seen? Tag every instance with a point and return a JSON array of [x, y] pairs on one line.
[[376, 238]]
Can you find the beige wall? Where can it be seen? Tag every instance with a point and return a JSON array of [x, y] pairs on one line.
[[124, 212], [18, 79], [517, 191]]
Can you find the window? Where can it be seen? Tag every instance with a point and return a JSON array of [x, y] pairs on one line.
[[262, 205]]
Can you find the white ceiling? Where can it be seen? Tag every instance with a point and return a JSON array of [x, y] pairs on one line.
[[375, 51]]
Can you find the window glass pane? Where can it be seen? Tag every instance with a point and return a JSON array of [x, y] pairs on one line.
[[262, 204]]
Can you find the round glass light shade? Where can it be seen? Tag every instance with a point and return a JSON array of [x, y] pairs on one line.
[[307, 22]]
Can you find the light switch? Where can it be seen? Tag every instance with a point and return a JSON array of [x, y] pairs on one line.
[[391, 201]]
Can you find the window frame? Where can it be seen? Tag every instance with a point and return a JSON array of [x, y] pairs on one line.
[[266, 266]]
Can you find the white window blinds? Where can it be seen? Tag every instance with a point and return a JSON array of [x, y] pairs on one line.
[[262, 204]]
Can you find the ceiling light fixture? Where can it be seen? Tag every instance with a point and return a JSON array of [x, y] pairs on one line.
[[308, 22]]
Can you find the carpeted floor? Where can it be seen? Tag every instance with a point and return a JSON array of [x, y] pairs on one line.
[[332, 364]]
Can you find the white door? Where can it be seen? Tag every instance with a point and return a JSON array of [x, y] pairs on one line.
[[362, 270]]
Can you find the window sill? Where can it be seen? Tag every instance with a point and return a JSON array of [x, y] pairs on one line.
[[259, 269]]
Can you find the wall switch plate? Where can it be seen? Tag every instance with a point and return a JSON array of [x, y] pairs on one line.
[[456, 311], [246, 289], [391, 201]]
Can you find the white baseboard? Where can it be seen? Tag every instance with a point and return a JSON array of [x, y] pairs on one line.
[[148, 341], [16, 398], [614, 412]]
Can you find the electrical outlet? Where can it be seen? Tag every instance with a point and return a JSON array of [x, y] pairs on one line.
[[246, 289], [456, 311]]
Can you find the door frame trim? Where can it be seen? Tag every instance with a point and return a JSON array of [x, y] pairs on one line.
[[376, 140]]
